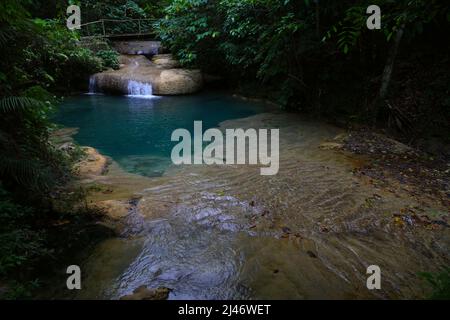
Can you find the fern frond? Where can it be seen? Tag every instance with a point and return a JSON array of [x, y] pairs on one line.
[[7, 34], [15, 104], [24, 172]]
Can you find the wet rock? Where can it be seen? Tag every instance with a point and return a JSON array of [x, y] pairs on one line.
[[389, 163], [331, 146], [178, 81], [341, 138], [286, 230], [93, 164], [67, 147], [114, 209], [144, 293], [62, 136]]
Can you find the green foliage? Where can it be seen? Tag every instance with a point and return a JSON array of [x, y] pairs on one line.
[[20, 290], [440, 283], [412, 16], [45, 53], [16, 104], [109, 58], [55, 60], [189, 30], [12, 11], [262, 40], [18, 246], [308, 55], [39, 58], [27, 158], [41, 95], [119, 10], [301, 50]]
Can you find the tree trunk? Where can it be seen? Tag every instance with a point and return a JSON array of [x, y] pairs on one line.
[[387, 72]]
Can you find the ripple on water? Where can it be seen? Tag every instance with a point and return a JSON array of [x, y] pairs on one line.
[[221, 232]]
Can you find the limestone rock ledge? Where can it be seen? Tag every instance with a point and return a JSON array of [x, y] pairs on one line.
[[162, 73], [93, 164]]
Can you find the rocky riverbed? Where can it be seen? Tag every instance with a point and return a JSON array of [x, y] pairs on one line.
[[309, 232]]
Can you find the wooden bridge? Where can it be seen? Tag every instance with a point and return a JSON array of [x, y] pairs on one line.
[[109, 28]]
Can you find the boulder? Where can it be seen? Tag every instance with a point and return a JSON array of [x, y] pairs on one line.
[[165, 61], [114, 209], [178, 81], [67, 147]]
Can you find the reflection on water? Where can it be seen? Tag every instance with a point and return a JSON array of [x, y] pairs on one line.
[[220, 232]]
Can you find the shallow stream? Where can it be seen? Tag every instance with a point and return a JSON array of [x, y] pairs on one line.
[[226, 232]]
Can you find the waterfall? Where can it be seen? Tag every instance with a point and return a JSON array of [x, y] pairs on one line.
[[139, 89], [92, 85]]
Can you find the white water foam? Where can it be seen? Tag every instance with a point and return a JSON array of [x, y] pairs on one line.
[[92, 86], [138, 89]]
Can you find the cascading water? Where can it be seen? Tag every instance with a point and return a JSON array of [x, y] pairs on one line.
[[92, 85], [140, 89]]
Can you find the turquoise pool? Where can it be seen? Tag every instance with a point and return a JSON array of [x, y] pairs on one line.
[[136, 132]]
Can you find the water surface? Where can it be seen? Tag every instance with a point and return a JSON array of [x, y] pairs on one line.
[[226, 232], [136, 131]]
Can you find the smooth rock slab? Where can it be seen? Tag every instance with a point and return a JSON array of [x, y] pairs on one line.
[[178, 81]]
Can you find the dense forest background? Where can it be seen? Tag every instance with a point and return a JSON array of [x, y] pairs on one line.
[[311, 56]]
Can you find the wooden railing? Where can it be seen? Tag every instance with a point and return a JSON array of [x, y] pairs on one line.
[[109, 28]]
